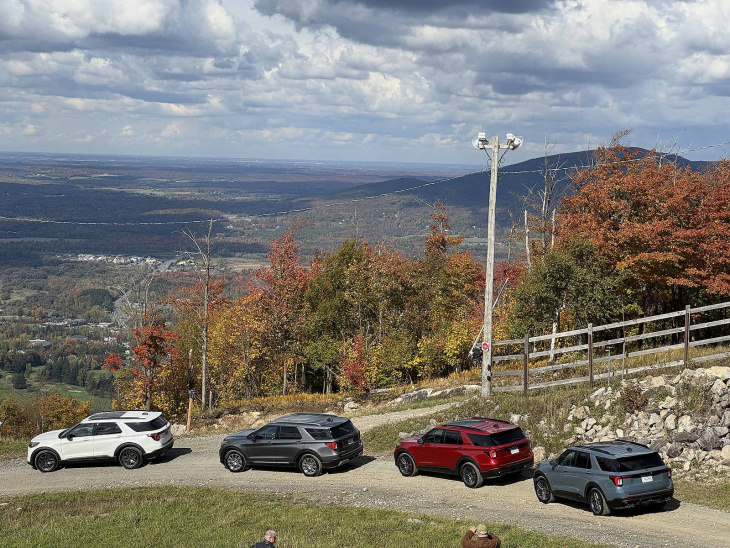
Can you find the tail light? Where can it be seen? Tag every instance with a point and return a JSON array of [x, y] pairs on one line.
[[669, 471], [332, 445], [618, 481], [492, 454], [156, 436]]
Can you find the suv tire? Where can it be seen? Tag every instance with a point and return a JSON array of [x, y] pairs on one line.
[[235, 461], [310, 465], [543, 491], [406, 465], [130, 458], [471, 475], [46, 461], [597, 502]]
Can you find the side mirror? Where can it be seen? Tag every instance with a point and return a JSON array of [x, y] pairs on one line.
[[70, 437], [420, 441], [553, 462]]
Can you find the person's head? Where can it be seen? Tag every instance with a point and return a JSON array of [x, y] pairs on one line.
[[481, 530], [270, 536]]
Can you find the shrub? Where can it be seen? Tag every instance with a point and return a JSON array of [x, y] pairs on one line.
[[633, 398], [57, 411]]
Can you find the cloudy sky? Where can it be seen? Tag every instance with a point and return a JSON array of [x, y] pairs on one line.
[[382, 80]]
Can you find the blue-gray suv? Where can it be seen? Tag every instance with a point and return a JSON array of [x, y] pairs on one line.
[[606, 475]]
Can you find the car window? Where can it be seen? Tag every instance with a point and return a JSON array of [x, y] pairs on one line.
[[640, 462], [567, 458], [148, 426], [434, 436], [319, 433], [582, 460], [81, 430], [452, 437], [481, 440], [289, 433], [267, 432], [508, 436], [105, 428], [342, 430], [608, 465]]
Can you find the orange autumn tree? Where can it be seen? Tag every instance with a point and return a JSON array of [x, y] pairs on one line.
[[663, 226], [154, 350]]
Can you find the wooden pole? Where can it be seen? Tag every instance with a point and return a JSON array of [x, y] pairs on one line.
[[190, 409], [687, 322], [590, 354], [526, 364]]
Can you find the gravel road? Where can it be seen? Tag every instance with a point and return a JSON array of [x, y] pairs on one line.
[[375, 482]]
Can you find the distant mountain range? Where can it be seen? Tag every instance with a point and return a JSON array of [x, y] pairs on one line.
[[471, 191]]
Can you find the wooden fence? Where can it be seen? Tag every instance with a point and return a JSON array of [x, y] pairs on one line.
[[592, 338]]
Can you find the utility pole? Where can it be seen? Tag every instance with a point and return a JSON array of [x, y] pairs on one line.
[[481, 142]]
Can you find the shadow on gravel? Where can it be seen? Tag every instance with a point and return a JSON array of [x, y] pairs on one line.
[[352, 465], [642, 510], [504, 480], [172, 454]]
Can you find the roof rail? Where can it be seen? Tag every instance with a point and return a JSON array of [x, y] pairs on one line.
[[633, 443]]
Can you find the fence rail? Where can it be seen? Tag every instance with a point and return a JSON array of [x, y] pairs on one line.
[[586, 350]]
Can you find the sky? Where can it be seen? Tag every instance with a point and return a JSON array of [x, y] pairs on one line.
[[362, 80]]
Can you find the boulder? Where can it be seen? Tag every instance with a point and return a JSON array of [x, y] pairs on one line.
[[726, 452], [654, 419], [726, 419], [588, 423], [659, 446], [619, 433], [514, 418], [670, 422], [471, 388], [177, 430], [673, 450], [719, 388], [580, 413], [719, 371], [351, 406], [686, 437], [721, 431], [685, 424], [709, 440], [540, 454], [668, 403]]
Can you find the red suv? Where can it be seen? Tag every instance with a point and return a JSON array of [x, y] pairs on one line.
[[475, 449]]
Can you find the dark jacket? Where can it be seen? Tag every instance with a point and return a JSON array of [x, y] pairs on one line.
[[491, 541], [263, 544]]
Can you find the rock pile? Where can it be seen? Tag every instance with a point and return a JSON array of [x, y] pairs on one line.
[[670, 423], [431, 394]]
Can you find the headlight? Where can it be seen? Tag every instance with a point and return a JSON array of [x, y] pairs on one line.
[[224, 442], [34, 443]]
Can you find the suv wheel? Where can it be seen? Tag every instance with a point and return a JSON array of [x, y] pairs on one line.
[[46, 461], [543, 491], [130, 458], [598, 502], [235, 461], [406, 465], [310, 465], [471, 475]]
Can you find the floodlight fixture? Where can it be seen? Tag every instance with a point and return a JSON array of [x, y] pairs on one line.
[[513, 142], [480, 141]]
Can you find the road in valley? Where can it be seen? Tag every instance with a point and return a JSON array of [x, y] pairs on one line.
[[375, 482]]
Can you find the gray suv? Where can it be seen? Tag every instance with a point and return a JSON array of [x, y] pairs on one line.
[[308, 441], [606, 475]]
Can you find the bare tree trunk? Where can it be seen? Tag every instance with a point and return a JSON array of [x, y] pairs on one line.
[[527, 244], [552, 232]]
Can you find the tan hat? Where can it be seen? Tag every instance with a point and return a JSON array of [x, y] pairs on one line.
[[481, 529]]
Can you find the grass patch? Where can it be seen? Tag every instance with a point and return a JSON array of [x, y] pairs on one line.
[[10, 449], [715, 496], [187, 516]]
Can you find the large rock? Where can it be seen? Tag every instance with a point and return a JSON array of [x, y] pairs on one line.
[[726, 419], [654, 419], [668, 403], [709, 440], [670, 422], [580, 413], [673, 450], [686, 437], [726, 452], [685, 424], [721, 431], [540, 454], [719, 388], [719, 371], [588, 423]]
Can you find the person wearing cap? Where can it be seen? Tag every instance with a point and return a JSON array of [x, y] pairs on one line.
[[484, 539], [268, 542]]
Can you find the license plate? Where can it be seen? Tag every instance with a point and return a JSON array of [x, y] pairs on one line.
[[647, 479], [515, 450]]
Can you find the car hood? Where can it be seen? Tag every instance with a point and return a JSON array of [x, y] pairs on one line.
[[411, 439], [240, 435], [47, 436]]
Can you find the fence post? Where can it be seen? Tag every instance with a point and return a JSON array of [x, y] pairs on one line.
[[526, 364], [590, 354], [687, 321]]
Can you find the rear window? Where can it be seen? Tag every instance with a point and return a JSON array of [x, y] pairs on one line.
[[640, 462], [342, 430], [154, 424], [509, 436], [481, 440], [319, 433]]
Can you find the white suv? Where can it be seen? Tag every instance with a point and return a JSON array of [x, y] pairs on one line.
[[129, 437]]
